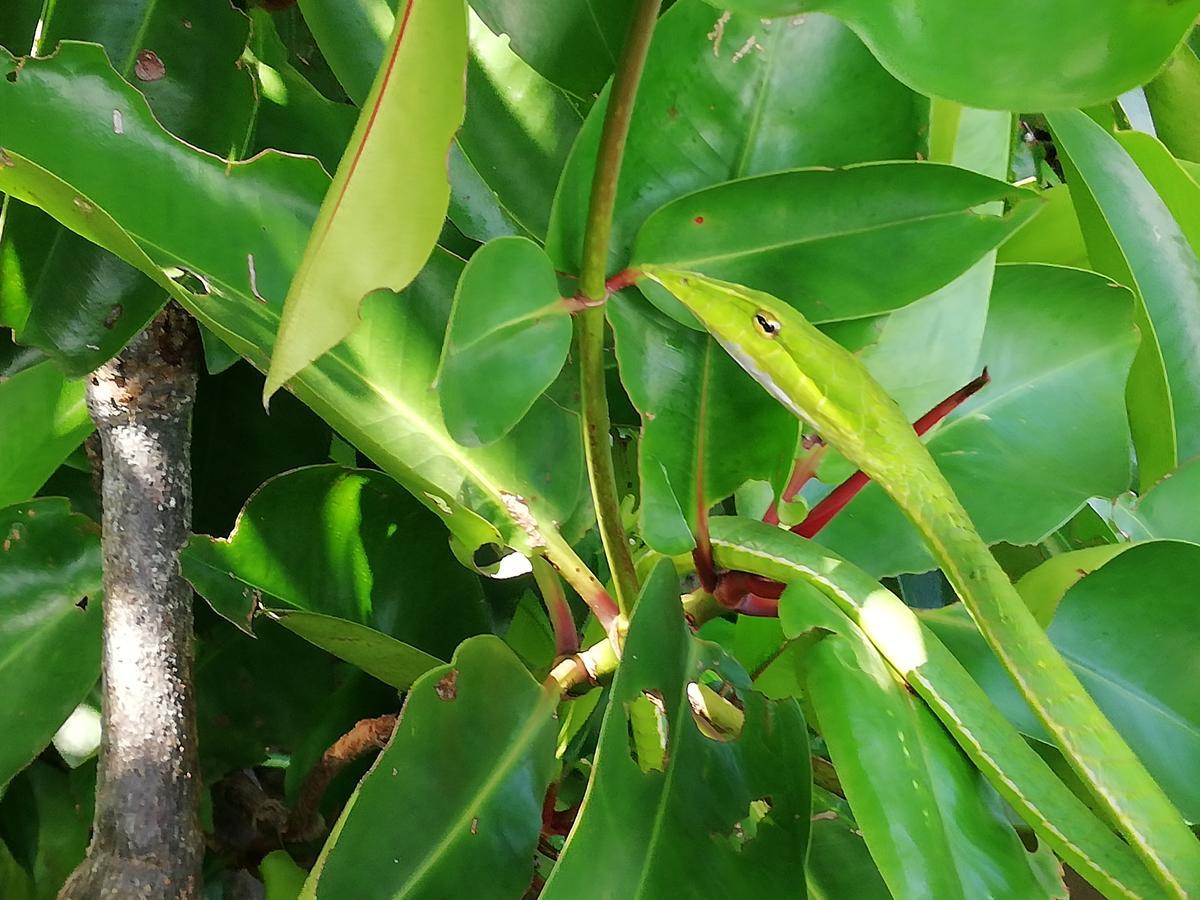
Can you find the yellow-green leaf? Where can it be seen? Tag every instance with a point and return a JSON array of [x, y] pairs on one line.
[[383, 212]]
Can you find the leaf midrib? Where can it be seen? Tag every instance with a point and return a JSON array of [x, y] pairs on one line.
[[508, 762]]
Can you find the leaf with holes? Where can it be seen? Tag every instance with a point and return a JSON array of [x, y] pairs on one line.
[[77, 302], [745, 801], [510, 330], [234, 234], [398, 150], [469, 764]]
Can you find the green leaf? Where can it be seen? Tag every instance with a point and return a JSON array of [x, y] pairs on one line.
[[376, 653], [1173, 96], [518, 128], [49, 623], [514, 142], [1130, 663], [398, 150], [236, 445], [1052, 238], [53, 421], [917, 222], [956, 313], [930, 819], [468, 765], [1021, 776], [509, 330], [292, 114], [18, 24], [78, 303], [282, 878], [1133, 238], [348, 544], [1044, 436], [46, 820], [1043, 586], [839, 865], [691, 420], [1167, 510], [243, 234], [699, 810], [573, 43], [965, 52], [702, 118]]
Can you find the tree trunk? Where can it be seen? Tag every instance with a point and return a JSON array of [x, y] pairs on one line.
[[146, 843]]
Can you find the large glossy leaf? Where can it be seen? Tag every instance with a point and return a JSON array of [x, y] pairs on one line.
[[348, 544], [47, 420], [943, 330], [75, 301], [517, 131], [1133, 238], [668, 806], [917, 222], [509, 330], [702, 420], [1053, 237], [1128, 631], [241, 229], [1172, 97], [1167, 510], [454, 802], [924, 811], [963, 51], [573, 43], [719, 100], [49, 624], [1045, 435], [391, 188], [292, 114]]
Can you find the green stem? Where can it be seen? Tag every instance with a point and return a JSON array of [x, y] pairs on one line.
[[590, 331], [566, 638]]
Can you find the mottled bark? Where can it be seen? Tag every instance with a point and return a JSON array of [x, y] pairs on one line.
[[146, 842]]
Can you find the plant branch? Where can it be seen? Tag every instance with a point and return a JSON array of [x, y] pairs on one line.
[[367, 735], [146, 839], [590, 323], [566, 638]]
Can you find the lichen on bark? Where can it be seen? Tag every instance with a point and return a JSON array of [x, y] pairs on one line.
[[146, 841]]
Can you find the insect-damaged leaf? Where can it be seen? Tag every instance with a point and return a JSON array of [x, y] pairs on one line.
[[661, 789], [456, 797], [208, 229], [382, 214]]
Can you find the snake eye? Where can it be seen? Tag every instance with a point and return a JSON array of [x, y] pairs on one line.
[[766, 325]]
